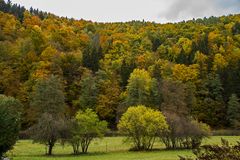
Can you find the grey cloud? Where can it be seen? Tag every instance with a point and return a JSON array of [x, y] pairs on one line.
[[182, 9]]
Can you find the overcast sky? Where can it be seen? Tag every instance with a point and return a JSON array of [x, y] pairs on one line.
[[126, 10]]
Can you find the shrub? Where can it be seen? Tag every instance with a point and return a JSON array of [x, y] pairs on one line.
[[183, 133], [142, 125], [215, 152]]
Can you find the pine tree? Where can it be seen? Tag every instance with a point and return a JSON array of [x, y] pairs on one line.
[[92, 54], [88, 96], [233, 112]]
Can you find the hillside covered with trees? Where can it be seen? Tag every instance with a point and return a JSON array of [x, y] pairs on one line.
[[185, 69]]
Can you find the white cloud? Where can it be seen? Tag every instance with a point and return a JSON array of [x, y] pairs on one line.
[[127, 10]]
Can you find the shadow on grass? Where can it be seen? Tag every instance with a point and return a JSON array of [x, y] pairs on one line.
[[65, 155], [159, 150], [94, 154]]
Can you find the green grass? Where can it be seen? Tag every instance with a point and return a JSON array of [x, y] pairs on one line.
[[105, 149]]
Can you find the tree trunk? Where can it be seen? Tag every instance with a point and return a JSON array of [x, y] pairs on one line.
[[50, 147], [50, 150], [75, 147], [85, 144]]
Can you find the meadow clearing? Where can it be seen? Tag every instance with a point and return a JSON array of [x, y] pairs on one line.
[[109, 148]]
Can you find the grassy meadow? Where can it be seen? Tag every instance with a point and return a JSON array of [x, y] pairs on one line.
[[109, 148]]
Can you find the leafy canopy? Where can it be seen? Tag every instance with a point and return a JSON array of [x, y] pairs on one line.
[[9, 122], [142, 125]]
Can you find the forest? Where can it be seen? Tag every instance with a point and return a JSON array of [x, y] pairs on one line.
[[189, 69]]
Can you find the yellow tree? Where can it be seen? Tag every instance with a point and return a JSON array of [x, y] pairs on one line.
[[108, 99], [185, 73], [201, 60], [219, 62], [142, 89]]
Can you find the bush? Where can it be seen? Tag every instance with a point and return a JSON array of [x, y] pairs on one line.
[[142, 126], [215, 152], [84, 128], [9, 123], [183, 133]]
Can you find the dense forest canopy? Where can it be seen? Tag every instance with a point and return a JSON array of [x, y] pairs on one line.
[[192, 68]]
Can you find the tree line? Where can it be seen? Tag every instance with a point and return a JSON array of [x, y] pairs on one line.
[[18, 10], [141, 125]]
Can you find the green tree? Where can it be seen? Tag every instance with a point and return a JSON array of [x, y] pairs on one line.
[[9, 122], [210, 107], [70, 64], [233, 113], [48, 99], [142, 89], [92, 54], [236, 28], [38, 39], [142, 126], [48, 96], [89, 92], [47, 131], [108, 97], [125, 71], [156, 39], [87, 126]]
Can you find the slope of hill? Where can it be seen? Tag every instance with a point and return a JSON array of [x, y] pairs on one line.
[[194, 65]]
